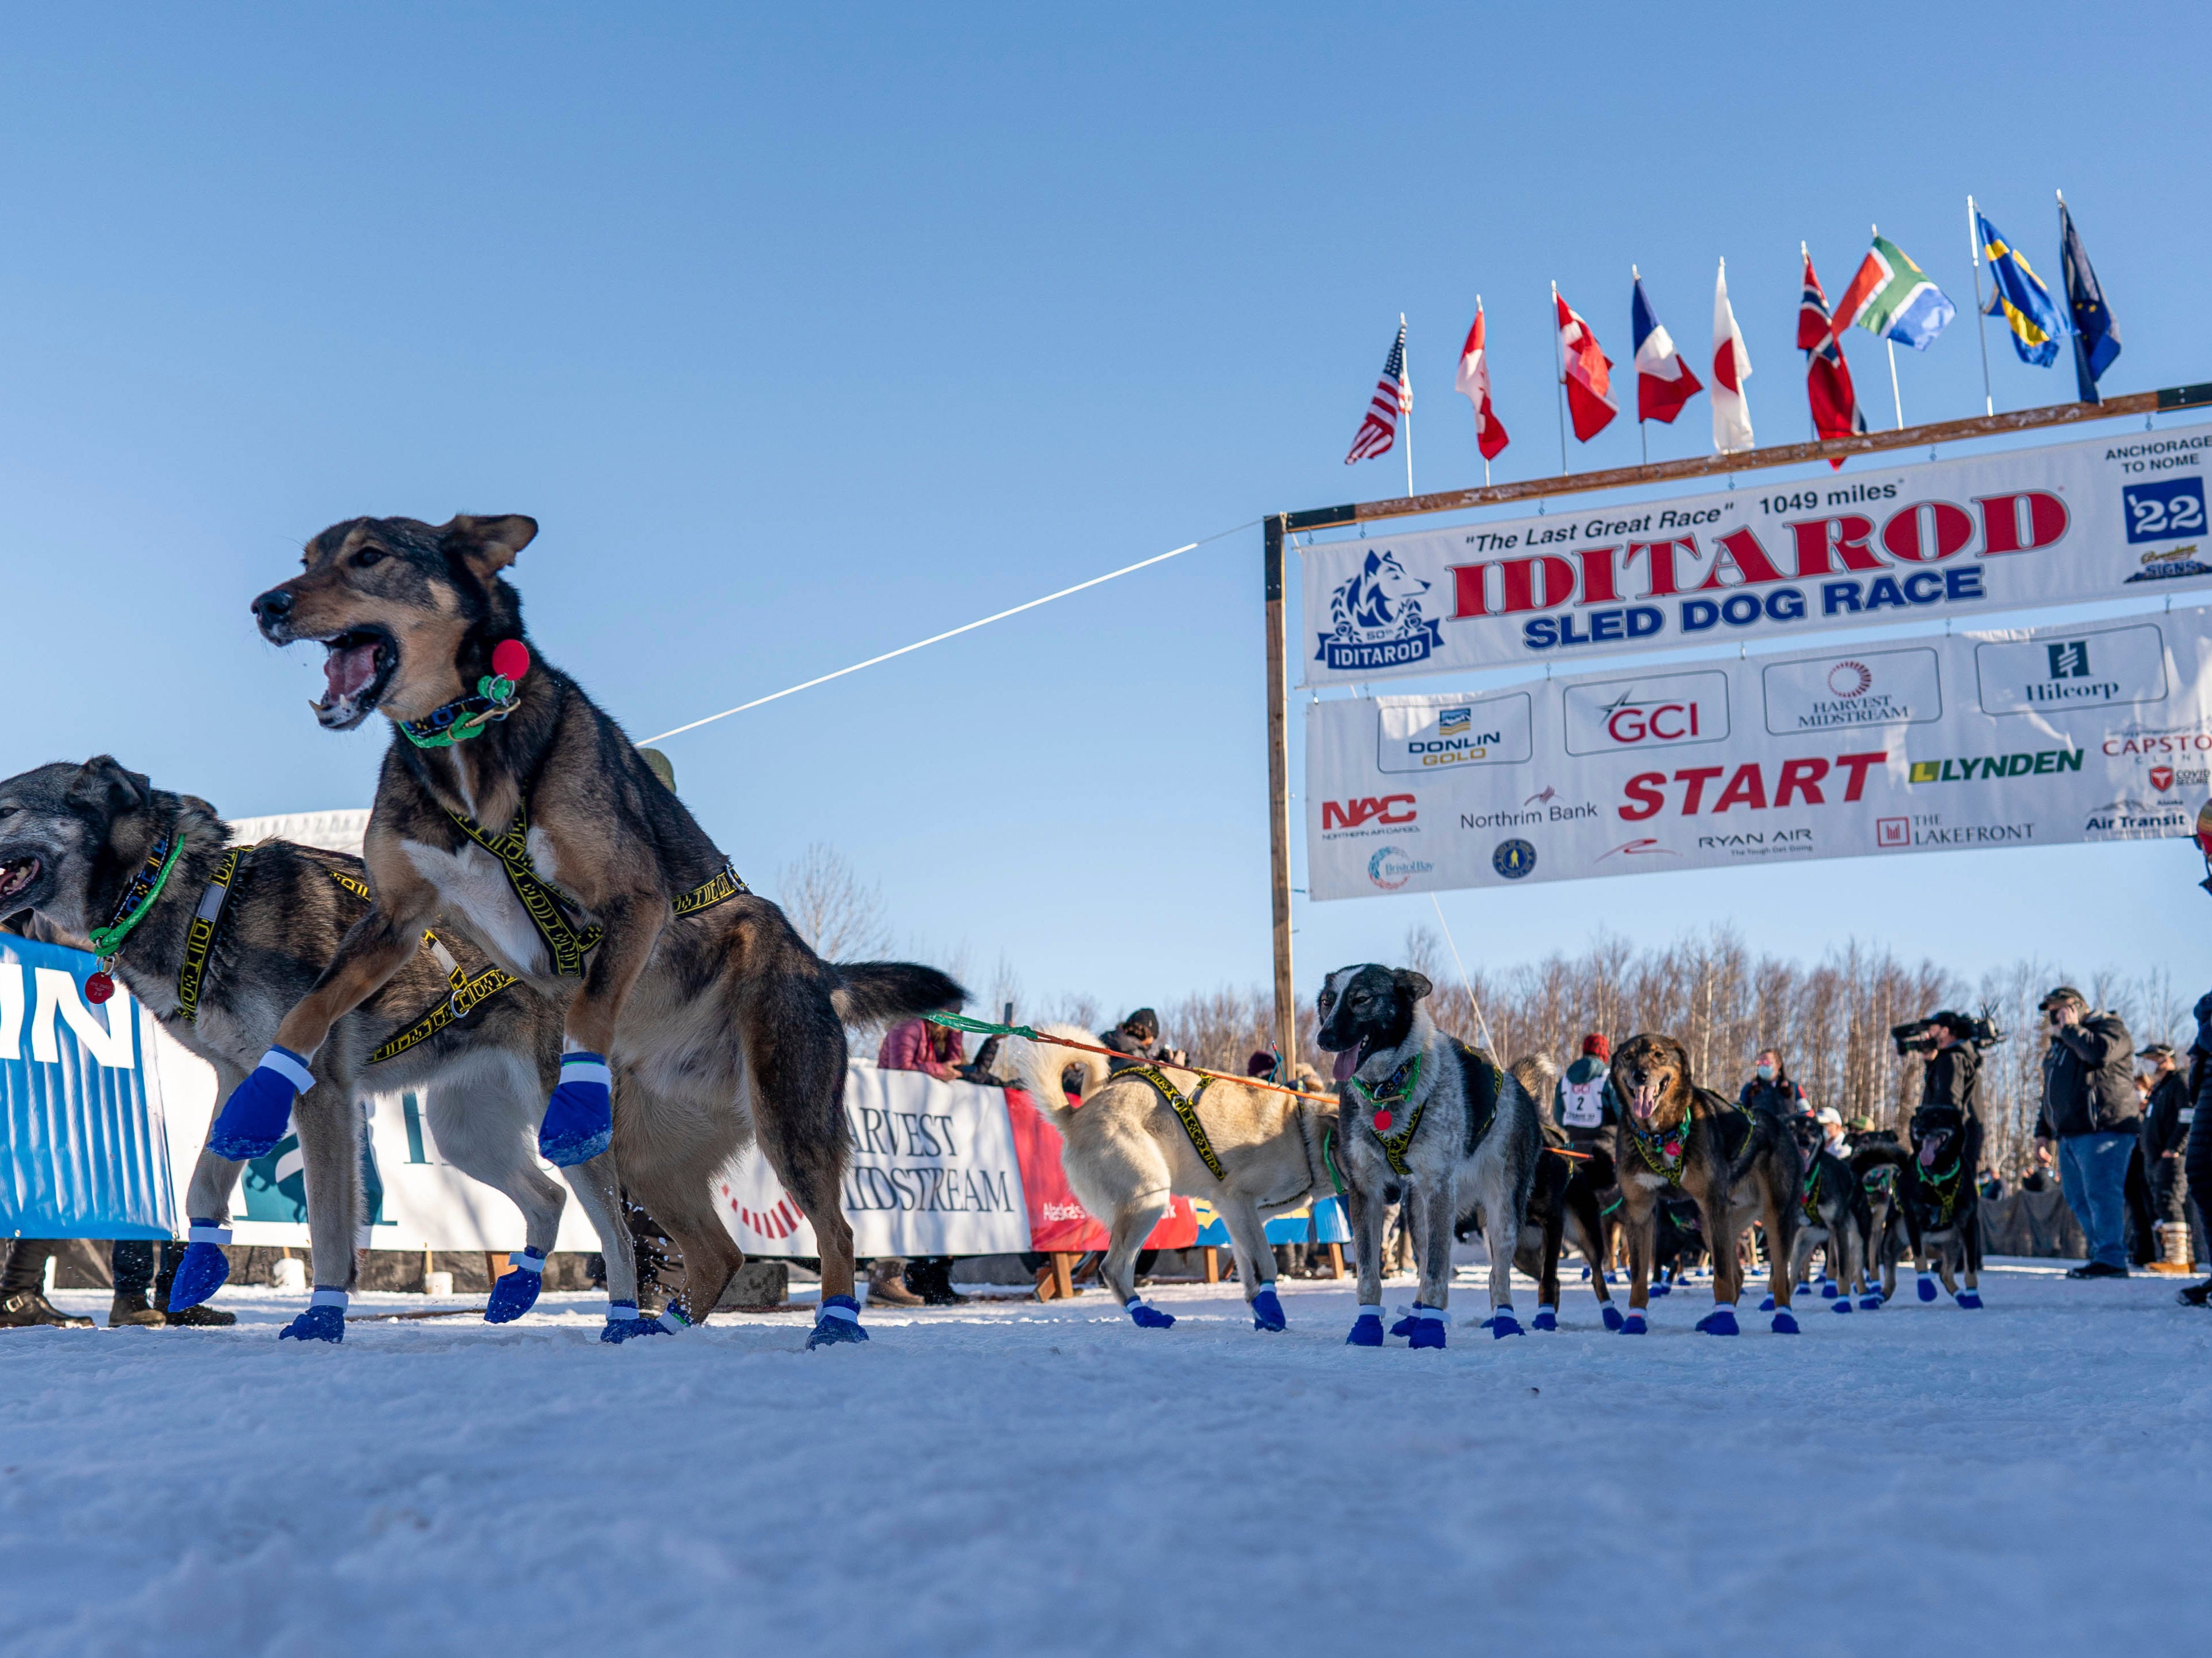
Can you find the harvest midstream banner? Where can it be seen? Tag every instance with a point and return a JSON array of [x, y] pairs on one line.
[[2053, 526], [2037, 736]]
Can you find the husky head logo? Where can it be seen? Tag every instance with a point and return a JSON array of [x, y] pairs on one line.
[[1374, 618]]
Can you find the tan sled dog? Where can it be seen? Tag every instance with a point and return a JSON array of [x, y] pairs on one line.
[[508, 800], [1146, 1132]]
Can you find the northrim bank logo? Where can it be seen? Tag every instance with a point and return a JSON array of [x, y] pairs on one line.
[[1375, 619]]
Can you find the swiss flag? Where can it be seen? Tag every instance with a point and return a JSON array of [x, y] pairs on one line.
[[1588, 373]]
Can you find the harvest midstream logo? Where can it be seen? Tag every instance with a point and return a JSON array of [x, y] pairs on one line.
[[1967, 770]]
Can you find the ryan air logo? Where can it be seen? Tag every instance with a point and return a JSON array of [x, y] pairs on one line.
[[1375, 620], [1390, 868], [1392, 809]]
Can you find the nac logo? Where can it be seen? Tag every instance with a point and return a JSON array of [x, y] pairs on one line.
[[1392, 809]]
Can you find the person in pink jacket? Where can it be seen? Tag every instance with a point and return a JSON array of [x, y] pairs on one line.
[[918, 1045]]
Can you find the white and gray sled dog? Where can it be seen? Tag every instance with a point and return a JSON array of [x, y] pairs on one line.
[[1146, 1132], [1430, 1122]]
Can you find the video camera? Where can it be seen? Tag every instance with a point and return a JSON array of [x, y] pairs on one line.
[[1919, 1036]]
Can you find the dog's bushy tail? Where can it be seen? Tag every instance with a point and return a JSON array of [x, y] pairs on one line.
[[891, 991], [1043, 1067], [1537, 1073]]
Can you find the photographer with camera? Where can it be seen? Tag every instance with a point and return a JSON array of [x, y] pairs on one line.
[[1954, 1074], [2090, 1107]]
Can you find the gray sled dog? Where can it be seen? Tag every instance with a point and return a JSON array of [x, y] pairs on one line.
[[1148, 1130], [1564, 1207], [1432, 1122], [509, 800], [1834, 1216], [218, 940]]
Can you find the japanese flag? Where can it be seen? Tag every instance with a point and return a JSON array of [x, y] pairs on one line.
[[1731, 368]]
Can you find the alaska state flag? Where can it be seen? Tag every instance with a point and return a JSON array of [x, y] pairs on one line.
[[2096, 335], [1663, 381], [1892, 297], [2018, 295]]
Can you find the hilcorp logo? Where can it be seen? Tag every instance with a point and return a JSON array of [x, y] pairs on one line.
[[1391, 809], [54, 998], [1855, 567]]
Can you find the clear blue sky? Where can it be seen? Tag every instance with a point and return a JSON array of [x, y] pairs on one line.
[[804, 336]]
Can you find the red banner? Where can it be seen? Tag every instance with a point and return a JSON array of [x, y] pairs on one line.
[[1058, 1220]]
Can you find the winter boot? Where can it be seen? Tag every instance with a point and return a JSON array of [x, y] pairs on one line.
[[133, 1307], [887, 1284], [931, 1279], [26, 1309]]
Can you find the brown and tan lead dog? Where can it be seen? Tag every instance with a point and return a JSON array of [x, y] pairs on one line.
[[1740, 1166], [511, 802]]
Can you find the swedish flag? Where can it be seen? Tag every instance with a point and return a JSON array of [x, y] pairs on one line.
[[2018, 296]]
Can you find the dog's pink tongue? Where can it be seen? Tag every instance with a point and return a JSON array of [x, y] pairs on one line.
[[1347, 1062], [1928, 1155], [347, 671]]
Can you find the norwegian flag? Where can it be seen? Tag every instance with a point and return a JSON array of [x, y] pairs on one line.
[[1836, 412], [1394, 395], [1587, 371], [1474, 383]]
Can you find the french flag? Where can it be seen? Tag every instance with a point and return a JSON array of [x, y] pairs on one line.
[[1663, 381]]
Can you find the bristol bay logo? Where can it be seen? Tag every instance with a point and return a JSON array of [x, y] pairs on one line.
[[1390, 868], [1375, 619]]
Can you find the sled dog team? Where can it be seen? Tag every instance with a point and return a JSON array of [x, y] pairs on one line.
[[542, 941]]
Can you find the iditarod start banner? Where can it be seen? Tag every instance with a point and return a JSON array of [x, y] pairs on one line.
[[2096, 731], [1955, 539]]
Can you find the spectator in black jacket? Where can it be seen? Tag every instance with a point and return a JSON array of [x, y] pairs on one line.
[[2196, 1160], [1953, 1075], [2165, 1130], [2089, 1109], [1771, 1089]]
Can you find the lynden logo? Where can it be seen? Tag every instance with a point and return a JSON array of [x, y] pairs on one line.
[[1392, 809], [1375, 619], [1390, 868], [1966, 770]]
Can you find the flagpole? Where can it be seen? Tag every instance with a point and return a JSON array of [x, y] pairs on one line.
[[1896, 398], [1560, 355], [1643, 432], [1406, 380], [1981, 334]]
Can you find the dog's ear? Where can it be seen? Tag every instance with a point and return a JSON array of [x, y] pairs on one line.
[[488, 545], [103, 786], [1413, 984]]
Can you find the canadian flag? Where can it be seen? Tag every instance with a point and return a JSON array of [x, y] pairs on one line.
[[1474, 383], [1586, 372], [1731, 368]]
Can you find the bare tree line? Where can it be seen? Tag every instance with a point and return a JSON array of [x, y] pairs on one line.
[[1830, 1020]]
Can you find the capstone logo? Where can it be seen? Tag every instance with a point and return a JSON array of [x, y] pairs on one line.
[[1390, 868]]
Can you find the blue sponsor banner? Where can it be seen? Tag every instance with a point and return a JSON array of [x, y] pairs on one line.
[[80, 1116]]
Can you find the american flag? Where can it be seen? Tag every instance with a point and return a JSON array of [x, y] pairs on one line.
[[1394, 395]]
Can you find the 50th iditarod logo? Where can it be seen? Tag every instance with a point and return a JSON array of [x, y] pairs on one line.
[[1375, 620]]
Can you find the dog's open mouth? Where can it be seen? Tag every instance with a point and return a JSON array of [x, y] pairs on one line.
[[17, 875], [1645, 1101], [360, 665], [1932, 1148], [1351, 1059]]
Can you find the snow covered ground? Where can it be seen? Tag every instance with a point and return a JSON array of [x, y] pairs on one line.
[[1011, 1477]]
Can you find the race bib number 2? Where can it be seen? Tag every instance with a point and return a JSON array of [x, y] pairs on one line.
[[1586, 1104]]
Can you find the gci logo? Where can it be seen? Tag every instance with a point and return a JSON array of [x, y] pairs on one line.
[[1392, 809], [1662, 722]]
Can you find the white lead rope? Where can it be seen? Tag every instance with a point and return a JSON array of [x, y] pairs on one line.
[[953, 633]]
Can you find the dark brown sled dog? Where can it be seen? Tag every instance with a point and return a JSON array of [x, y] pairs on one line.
[[510, 801], [1739, 1166]]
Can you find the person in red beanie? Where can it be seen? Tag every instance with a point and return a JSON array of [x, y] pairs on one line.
[[1584, 1105]]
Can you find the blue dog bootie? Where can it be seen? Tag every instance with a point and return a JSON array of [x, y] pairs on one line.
[[324, 1320], [1366, 1329], [514, 1294], [1502, 1323], [1429, 1324], [1969, 1299], [1829, 1288], [1870, 1302], [1784, 1325], [1610, 1312], [1927, 1288], [579, 1118], [1633, 1325], [1840, 1305], [1266, 1310], [1721, 1321], [1547, 1317], [204, 1269], [623, 1323], [1767, 1305], [839, 1320], [253, 1119], [1146, 1317]]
